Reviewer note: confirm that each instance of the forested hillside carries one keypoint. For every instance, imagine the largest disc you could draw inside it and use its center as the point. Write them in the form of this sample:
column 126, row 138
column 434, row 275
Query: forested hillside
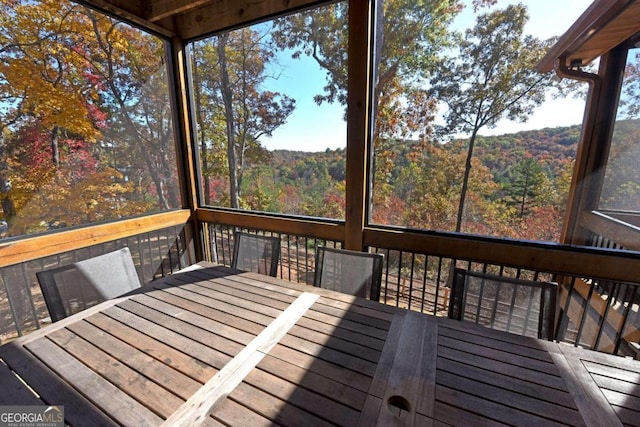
column 514, row 176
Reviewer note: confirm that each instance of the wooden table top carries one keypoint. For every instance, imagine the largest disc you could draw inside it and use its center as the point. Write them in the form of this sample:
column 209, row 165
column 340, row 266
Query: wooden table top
column 214, row 346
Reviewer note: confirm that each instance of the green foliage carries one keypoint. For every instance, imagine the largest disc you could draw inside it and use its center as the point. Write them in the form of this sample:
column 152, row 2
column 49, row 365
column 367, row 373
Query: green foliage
column 490, row 77
column 233, row 108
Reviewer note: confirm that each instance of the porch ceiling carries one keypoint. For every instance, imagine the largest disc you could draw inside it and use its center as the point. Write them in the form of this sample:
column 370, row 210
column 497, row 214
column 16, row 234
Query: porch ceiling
column 603, row 26
column 189, row 19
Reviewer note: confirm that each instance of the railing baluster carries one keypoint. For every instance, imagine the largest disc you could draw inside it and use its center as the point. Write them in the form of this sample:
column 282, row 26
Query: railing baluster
column 585, row 312
column 625, row 316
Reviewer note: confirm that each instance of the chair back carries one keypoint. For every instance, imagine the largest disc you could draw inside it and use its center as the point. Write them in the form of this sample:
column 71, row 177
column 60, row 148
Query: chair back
column 523, row 307
column 350, row 272
column 259, row 254
column 73, row 288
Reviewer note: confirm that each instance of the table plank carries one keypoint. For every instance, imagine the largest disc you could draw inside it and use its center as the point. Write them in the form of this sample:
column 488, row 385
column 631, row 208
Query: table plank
column 153, row 369
column 52, row 391
column 593, row 405
column 405, row 377
column 156, row 347
column 102, row 393
column 194, row 342
column 493, row 412
column 277, row 410
column 308, row 361
column 494, row 365
column 158, row 399
column 204, row 401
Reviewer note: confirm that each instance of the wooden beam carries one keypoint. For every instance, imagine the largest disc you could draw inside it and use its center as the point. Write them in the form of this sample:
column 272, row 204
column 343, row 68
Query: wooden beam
column 227, row 14
column 600, row 28
column 358, row 121
column 186, row 143
column 133, row 11
column 160, row 9
column 51, row 244
column 595, row 141
column 299, row 227
column 547, row 257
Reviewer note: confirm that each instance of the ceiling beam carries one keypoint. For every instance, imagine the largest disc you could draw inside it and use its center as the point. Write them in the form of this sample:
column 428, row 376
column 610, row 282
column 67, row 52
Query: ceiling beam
column 225, row 14
column 160, row 9
column 134, row 11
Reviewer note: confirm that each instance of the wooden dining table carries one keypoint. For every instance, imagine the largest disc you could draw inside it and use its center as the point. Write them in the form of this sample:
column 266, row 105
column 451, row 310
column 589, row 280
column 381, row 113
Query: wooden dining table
column 216, row 346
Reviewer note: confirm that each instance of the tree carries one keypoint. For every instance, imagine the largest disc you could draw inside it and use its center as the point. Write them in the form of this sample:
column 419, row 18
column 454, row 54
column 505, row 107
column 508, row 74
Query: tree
column 491, row 77
column 39, row 80
column 87, row 108
column 432, row 183
column 525, row 184
column 231, row 94
column 129, row 67
column 410, row 35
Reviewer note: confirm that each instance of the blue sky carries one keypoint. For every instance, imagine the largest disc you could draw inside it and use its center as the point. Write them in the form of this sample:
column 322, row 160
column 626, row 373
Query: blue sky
column 316, row 128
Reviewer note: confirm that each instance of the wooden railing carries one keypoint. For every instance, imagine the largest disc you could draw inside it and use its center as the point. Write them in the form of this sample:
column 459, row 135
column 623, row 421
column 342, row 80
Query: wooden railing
column 417, row 267
column 159, row 244
column 599, row 288
column 612, row 232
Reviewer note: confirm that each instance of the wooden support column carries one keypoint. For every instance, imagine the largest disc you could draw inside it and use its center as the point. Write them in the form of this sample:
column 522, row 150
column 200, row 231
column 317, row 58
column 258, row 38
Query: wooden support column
column 185, row 154
column 358, row 121
column 593, row 148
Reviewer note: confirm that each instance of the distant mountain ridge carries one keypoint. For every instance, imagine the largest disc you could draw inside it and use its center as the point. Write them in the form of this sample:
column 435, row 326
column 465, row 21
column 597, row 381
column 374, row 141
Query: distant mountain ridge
column 552, row 147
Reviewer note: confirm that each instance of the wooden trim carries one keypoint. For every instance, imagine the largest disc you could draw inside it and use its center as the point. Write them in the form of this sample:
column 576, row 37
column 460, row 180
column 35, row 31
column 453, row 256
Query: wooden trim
column 358, row 121
column 586, row 30
column 294, row 226
column 547, row 257
column 613, row 229
column 51, row 244
column 161, row 9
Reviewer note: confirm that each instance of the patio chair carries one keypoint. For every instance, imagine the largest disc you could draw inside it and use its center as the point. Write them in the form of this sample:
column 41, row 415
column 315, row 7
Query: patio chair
column 259, row 254
column 78, row 286
column 350, row 272
column 523, row 307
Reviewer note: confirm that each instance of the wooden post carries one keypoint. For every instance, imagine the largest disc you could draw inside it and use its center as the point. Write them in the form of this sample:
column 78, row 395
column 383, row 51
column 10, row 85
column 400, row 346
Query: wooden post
column 358, row 121
column 185, row 155
column 593, row 147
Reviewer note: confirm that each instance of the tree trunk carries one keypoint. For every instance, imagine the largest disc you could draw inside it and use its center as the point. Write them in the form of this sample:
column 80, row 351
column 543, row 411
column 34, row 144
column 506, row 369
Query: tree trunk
column 8, row 208
column 465, row 180
column 228, row 112
column 55, row 146
column 206, row 182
